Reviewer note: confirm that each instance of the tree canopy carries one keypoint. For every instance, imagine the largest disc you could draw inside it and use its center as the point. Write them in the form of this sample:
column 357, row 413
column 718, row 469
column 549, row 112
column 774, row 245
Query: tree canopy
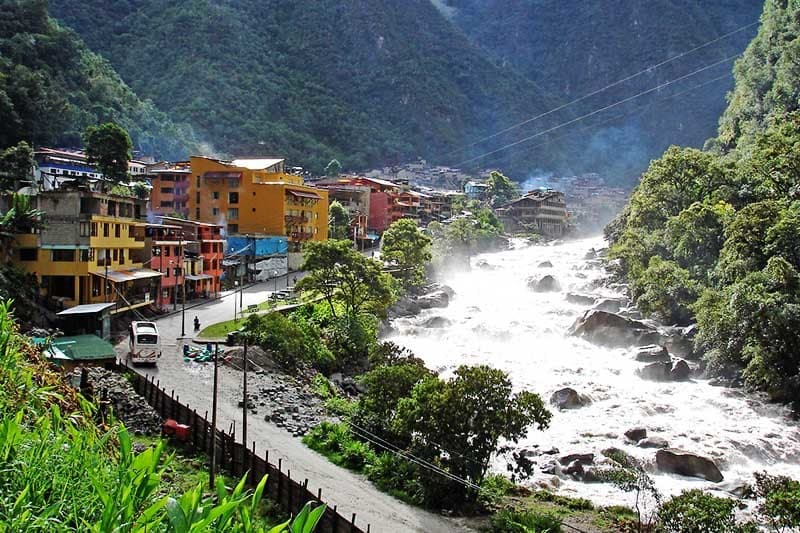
column 338, row 221
column 108, row 148
column 406, row 247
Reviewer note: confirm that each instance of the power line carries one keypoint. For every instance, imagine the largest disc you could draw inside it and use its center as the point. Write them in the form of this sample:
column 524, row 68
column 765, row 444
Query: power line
column 614, row 84
column 587, row 115
column 624, row 115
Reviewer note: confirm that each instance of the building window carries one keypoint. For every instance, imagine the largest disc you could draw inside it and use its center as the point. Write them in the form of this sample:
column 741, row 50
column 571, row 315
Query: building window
column 197, row 197
column 85, row 228
column 166, row 203
column 62, row 256
column 215, row 195
column 156, row 251
column 167, row 190
column 176, row 271
column 233, row 228
column 177, row 251
column 87, row 255
column 28, row 254
column 233, row 197
column 254, row 210
column 198, row 182
column 115, row 255
column 197, row 213
column 166, row 251
column 94, row 229
column 233, row 213
column 116, row 230
column 105, row 229
column 215, row 211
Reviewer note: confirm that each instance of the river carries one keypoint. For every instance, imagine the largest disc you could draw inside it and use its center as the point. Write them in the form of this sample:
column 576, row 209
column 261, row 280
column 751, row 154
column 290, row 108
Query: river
column 496, row 320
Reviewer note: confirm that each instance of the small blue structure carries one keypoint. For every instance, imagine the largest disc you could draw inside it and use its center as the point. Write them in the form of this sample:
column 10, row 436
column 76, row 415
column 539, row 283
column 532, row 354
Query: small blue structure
column 257, row 245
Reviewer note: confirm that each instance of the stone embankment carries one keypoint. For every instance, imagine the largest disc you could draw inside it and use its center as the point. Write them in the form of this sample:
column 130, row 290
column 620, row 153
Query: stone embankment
column 117, row 398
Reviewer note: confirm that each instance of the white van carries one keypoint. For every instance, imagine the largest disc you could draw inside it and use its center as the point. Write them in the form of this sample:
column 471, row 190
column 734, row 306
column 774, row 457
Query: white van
column 145, row 343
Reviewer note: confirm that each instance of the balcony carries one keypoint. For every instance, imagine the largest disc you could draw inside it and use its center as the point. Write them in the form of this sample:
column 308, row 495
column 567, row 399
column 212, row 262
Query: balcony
column 300, row 235
column 295, row 219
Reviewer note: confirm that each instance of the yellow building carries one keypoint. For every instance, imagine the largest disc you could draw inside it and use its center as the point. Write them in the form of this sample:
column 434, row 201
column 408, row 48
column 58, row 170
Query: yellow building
column 256, row 196
column 89, row 237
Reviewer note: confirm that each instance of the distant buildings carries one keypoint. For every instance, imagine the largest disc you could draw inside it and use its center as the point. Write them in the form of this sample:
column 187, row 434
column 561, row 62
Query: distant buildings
column 57, row 167
column 204, row 251
column 170, row 192
column 541, row 211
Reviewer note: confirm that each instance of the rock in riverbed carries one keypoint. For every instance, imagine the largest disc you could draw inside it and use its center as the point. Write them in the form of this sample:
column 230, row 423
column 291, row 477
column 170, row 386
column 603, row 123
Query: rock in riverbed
column 685, row 463
column 568, row 398
column 437, row 298
column 652, row 354
column 545, row 284
column 613, row 331
column 580, row 299
column 636, row 434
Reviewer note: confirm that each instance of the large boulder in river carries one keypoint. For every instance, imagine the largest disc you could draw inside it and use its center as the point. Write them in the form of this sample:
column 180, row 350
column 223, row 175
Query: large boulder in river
column 614, row 331
column 437, row 298
column 568, row 398
column 612, row 305
column 437, row 322
column 653, row 442
column 652, row 354
column 675, row 461
column 404, row 306
column 580, row 299
column 666, row 371
column 681, row 371
column 636, row 434
column 545, row 264
column 545, row 284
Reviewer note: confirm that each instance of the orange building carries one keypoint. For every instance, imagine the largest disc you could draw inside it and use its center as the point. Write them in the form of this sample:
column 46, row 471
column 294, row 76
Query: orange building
column 256, row 196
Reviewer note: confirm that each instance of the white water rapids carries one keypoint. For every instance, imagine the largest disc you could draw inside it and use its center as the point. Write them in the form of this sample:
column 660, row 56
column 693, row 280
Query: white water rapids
column 496, row 320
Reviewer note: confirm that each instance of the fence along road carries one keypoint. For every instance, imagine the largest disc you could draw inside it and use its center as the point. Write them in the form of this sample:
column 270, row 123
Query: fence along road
column 348, row 491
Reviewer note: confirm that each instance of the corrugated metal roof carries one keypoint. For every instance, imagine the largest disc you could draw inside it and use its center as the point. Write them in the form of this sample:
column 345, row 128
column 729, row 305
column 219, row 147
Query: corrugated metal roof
column 84, row 347
column 86, row 309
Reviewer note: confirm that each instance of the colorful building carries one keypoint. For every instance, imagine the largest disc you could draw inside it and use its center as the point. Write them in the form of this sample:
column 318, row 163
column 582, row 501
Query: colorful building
column 383, row 196
column 257, row 196
column 203, row 251
column 165, row 246
column 170, row 192
column 90, row 251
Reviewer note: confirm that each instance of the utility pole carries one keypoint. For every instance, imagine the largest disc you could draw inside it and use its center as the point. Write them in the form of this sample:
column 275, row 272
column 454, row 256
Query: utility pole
column 244, row 395
column 105, row 281
column 183, row 290
column 214, row 420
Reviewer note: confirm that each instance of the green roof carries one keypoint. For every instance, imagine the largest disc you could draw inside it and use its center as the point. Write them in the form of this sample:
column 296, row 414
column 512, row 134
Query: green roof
column 84, row 347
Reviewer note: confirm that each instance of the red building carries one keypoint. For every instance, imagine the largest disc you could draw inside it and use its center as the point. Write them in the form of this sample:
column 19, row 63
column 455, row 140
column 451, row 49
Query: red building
column 382, row 199
column 203, row 256
column 166, row 245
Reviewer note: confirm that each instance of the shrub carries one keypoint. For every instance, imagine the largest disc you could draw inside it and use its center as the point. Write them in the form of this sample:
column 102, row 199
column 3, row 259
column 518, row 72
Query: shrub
column 780, row 500
column 694, row 511
column 337, row 443
column 397, row 476
column 525, row 521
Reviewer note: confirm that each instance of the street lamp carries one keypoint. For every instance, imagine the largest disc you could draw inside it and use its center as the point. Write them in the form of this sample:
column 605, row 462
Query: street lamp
column 183, row 290
column 275, row 276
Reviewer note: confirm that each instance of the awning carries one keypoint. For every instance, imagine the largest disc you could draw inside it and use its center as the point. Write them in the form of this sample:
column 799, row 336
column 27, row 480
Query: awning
column 84, row 347
column 121, row 276
column 86, row 309
column 300, row 194
column 198, row 277
column 217, row 175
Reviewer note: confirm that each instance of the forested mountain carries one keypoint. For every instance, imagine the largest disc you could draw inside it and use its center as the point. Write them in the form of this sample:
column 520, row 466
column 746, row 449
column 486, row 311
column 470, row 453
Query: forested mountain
column 571, row 49
column 714, row 236
column 384, row 81
column 366, row 82
column 52, row 87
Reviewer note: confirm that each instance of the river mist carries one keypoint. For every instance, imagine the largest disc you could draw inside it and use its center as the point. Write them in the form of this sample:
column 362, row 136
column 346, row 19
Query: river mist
column 495, row 319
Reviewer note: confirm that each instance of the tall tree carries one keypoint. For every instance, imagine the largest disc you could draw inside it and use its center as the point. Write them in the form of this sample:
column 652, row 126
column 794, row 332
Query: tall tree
column 339, row 273
column 407, row 247
column 338, row 221
column 333, row 169
column 16, row 165
column 108, row 148
column 501, row 189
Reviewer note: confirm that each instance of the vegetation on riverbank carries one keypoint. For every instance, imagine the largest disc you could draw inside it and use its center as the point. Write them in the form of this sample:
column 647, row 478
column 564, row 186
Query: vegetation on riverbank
column 714, row 236
column 65, row 469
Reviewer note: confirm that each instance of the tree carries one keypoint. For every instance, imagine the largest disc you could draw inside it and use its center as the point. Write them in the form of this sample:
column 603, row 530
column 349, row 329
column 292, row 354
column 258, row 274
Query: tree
column 694, row 511
column 286, row 340
column 409, row 249
column 339, row 273
column 16, row 165
column 667, row 290
column 108, row 148
column 501, row 189
column 333, row 169
column 338, row 221
column 20, row 218
column 779, row 501
column 459, row 423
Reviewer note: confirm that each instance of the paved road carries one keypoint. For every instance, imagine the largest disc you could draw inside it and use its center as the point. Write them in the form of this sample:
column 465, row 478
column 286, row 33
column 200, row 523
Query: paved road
column 192, row 382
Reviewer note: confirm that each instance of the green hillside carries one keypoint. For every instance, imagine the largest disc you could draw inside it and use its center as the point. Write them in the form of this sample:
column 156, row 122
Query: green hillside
column 571, row 49
column 713, row 237
column 366, row 82
column 52, row 87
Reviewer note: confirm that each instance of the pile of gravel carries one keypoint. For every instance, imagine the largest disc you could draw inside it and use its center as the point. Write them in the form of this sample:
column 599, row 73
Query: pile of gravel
column 127, row 406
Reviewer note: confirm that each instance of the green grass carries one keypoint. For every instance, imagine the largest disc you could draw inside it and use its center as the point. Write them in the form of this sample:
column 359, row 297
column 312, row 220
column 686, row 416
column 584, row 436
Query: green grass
column 220, row 329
